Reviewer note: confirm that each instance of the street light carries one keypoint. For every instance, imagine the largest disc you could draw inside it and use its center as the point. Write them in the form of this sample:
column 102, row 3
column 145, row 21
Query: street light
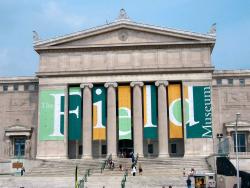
column 219, row 136
column 236, row 145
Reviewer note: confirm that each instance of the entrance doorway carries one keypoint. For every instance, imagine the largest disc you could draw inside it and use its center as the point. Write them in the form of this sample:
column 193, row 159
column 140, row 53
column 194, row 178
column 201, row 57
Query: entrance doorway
column 74, row 149
column 125, row 148
column 19, row 147
column 176, row 147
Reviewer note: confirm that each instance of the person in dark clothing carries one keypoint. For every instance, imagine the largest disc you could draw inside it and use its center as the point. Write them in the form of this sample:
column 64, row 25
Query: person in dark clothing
column 189, row 182
column 22, row 171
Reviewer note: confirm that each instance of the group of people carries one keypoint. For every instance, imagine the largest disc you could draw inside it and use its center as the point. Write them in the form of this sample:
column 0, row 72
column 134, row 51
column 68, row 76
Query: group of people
column 111, row 164
column 133, row 166
column 190, row 174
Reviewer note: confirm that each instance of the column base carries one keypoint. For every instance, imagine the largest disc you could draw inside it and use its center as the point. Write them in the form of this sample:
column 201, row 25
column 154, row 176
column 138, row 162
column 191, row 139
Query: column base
column 52, row 157
column 140, row 155
column 163, row 155
column 114, row 156
column 87, row 157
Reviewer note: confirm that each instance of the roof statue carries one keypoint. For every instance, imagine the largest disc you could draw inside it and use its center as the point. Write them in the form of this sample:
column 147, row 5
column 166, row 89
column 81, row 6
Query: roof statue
column 35, row 36
column 123, row 15
column 212, row 30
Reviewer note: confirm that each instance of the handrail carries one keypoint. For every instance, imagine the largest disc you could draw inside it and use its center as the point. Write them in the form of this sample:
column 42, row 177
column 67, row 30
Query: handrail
column 105, row 162
column 81, row 182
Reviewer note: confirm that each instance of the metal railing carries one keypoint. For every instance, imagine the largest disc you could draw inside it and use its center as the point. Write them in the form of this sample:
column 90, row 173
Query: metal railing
column 124, row 179
column 105, row 162
column 81, row 182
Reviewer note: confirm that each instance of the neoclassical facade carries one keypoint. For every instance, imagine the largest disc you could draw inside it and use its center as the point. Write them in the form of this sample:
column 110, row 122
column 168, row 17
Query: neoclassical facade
column 123, row 87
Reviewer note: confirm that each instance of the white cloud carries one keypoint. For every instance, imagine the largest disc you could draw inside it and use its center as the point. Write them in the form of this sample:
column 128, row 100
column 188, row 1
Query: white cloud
column 55, row 12
column 3, row 57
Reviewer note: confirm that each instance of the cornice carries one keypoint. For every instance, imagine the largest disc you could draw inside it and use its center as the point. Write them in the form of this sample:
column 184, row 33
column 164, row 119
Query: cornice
column 126, row 45
column 126, row 72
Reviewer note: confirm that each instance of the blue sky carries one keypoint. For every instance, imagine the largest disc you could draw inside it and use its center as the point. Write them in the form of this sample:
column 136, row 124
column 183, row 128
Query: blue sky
column 50, row 18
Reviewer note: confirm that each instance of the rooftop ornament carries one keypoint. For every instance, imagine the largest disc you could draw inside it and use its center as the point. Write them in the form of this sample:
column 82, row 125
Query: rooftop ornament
column 212, row 30
column 35, row 36
column 123, row 15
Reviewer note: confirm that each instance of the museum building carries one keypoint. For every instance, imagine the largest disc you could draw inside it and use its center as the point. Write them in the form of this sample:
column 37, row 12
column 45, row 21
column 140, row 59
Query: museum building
column 124, row 87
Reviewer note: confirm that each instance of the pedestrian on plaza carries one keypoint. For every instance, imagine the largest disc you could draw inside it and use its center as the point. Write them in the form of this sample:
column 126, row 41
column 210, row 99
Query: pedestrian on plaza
column 22, row 171
column 192, row 172
column 140, row 169
column 133, row 172
column 120, row 167
column 189, row 182
column 132, row 157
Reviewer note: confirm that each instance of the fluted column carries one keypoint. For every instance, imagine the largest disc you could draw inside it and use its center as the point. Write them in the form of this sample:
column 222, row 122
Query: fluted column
column 111, row 119
column 137, row 117
column 162, row 118
column 66, row 117
column 87, row 120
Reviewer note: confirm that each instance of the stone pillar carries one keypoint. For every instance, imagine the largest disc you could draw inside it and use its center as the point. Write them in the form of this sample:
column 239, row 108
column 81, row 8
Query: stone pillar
column 27, row 149
column 111, row 119
column 137, row 118
column 66, row 122
column 162, row 118
column 87, row 120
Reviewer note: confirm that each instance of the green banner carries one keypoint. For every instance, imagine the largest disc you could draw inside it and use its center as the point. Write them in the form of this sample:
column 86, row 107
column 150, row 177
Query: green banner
column 51, row 109
column 99, row 113
column 150, row 112
column 124, row 113
column 75, row 114
column 198, row 112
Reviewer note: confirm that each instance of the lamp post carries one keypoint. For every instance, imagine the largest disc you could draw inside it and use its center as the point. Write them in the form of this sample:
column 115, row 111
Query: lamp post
column 236, row 145
column 220, row 136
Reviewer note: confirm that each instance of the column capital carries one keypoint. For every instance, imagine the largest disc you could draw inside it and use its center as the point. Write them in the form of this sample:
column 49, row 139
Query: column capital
column 89, row 85
column 133, row 84
column 110, row 84
column 161, row 82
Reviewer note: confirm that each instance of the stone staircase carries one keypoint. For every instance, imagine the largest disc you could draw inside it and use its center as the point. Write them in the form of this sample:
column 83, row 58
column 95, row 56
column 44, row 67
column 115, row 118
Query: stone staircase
column 157, row 172
column 66, row 168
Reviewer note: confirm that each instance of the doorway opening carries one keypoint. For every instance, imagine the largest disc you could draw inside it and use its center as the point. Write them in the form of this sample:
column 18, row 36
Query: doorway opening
column 125, row 148
column 19, row 146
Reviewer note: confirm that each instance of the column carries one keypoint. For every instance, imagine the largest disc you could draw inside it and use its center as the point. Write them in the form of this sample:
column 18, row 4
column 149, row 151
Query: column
column 111, row 119
column 87, row 121
column 27, row 149
column 66, row 116
column 137, row 117
column 162, row 118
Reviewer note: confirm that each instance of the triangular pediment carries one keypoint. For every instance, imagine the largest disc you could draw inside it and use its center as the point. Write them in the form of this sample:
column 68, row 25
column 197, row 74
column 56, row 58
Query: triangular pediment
column 124, row 33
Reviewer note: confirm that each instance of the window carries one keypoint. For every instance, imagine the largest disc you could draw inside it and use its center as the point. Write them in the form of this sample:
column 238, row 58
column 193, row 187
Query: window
column 241, row 137
column 104, row 149
column 19, row 146
column 80, row 150
column 230, row 81
column 150, row 148
column 219, row 81
column 242, row 81
column 15, row 87
column 26, row 87
column 5, row 87
column 173, row 148
column 31, row 87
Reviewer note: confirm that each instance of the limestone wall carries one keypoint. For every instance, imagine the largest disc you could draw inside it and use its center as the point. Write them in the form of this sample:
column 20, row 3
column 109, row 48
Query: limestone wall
column 18, row 108
column 136, row 59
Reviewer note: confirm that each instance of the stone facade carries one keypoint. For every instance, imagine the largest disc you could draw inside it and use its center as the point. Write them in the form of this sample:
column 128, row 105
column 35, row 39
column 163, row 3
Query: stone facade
column 120, row 53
